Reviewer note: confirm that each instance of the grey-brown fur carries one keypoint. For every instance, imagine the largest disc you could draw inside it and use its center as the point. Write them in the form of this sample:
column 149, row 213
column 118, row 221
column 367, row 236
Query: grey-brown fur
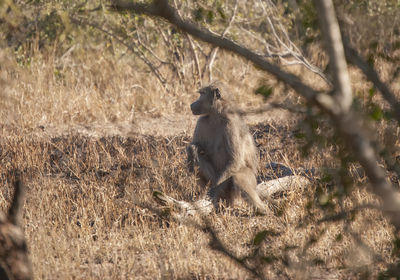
column 223, row 149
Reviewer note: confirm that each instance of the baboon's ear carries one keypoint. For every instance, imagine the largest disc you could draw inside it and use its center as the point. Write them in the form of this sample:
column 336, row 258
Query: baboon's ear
column 217, row 93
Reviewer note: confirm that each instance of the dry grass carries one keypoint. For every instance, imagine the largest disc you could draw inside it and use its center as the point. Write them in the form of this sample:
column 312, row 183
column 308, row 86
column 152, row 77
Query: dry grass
column 89, row 212
column 98, row 88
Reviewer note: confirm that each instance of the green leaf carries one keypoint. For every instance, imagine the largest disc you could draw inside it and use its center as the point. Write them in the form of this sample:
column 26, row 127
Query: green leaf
column 299, row 135
column 387, row 115
column 376, row 113
column 396, row 244
column 371, row 60
column 199, row 14
column 373, row 45
column 327, row 178
column 260, row 237
column 221, row 13
column 210, row 16
column 318, row 261
column 396, row 45
column 372, row 91
column 265, row 91
column 269, row 259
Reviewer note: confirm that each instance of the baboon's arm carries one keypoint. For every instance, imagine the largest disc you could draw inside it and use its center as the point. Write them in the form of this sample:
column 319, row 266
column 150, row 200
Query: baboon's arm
column 207, row 169
column 197, row 157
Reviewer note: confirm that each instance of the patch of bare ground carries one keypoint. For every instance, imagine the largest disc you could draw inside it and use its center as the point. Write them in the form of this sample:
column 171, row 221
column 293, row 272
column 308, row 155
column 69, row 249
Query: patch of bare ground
column 89, row 212
column 165, row 126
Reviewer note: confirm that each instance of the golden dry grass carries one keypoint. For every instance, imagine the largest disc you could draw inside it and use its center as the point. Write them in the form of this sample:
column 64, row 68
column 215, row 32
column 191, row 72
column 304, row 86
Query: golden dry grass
column 89, row 210
column 88, row 214
column 97, row 88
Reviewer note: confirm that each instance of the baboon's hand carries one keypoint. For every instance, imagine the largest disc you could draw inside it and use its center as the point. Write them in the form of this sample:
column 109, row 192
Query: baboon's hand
column 193, row 152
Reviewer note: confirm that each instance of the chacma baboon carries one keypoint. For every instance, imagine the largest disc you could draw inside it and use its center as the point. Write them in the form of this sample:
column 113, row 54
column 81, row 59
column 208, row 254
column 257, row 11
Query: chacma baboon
column 14, row 261
column 223, row 150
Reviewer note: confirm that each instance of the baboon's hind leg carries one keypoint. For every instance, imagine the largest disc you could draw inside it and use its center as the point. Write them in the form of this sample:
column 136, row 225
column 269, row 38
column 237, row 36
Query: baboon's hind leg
column 246, row 181
column 223, row 192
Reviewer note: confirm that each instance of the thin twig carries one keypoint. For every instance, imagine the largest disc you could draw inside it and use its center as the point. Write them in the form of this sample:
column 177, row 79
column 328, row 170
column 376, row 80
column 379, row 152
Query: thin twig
column 153, row 69
column 147, row 48
column 212, row 55
column 292, row 48
column 193, row 49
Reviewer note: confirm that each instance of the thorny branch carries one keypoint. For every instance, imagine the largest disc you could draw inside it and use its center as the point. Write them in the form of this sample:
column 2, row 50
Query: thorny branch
column 347, row 124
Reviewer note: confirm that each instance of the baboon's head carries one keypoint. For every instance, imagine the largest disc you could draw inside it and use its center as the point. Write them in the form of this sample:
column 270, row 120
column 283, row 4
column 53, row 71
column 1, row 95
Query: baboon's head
column 207, row 102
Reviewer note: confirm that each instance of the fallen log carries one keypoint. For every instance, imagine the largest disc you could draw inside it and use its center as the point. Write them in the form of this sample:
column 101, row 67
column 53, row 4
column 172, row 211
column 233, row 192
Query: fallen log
column 182, row 209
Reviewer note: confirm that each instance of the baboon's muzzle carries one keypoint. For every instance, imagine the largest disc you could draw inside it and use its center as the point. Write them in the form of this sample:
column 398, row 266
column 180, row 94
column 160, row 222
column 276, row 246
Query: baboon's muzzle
column 195, row 107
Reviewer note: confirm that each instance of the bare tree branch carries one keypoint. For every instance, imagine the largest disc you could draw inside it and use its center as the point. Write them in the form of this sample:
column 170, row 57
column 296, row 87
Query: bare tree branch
column 347, row 123
column 161, row 8
column 334, row 46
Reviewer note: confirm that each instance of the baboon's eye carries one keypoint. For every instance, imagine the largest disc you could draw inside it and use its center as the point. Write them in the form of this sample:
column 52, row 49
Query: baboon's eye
column 217, row 93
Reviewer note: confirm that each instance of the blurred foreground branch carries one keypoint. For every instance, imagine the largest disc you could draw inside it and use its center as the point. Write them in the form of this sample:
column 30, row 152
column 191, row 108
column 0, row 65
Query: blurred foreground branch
column 333, row 44
column 370, row 73
column 14, row 260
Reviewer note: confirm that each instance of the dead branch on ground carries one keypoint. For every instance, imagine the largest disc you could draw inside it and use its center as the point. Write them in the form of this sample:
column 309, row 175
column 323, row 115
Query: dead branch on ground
column 183, row 210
